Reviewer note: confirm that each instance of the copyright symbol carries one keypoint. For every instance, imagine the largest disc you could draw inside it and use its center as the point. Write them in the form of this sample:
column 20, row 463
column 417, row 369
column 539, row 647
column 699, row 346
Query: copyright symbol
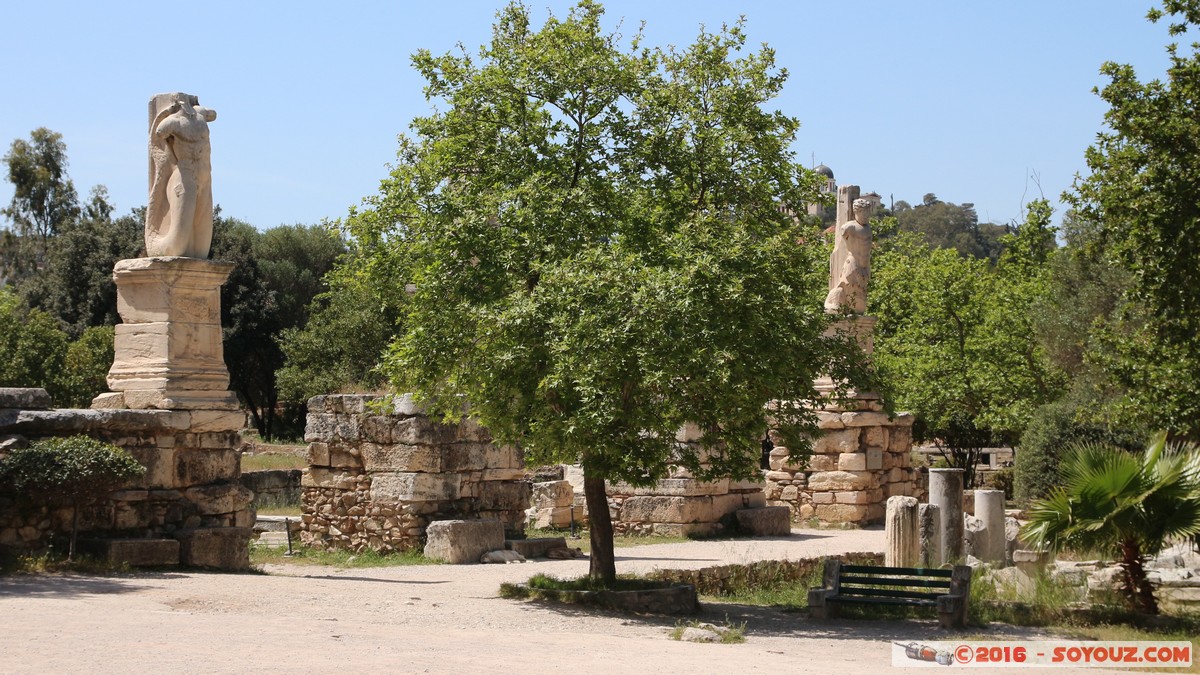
column 963, row 654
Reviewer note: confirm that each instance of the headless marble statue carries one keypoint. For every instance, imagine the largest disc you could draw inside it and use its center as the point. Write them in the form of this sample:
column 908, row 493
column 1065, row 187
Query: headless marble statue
column 180, row 209
column 850, row 262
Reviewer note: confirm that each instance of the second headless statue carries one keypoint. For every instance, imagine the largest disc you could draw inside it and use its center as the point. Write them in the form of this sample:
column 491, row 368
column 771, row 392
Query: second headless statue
column 179, row 212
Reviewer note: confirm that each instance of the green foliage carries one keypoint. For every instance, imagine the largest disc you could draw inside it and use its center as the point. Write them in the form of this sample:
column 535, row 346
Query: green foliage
column 1127, row 505
column 77, row 470
column 44, row 201
column 951, row 226
column 34, row 348
column 1143, row 190
column 85, row 368
column 1052, row 430
column 954, row 341
column 76, row 285
column 593, row 232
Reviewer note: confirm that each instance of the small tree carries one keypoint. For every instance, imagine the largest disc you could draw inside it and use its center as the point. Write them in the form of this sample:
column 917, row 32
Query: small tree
column 1119, row 503
column 78, row 470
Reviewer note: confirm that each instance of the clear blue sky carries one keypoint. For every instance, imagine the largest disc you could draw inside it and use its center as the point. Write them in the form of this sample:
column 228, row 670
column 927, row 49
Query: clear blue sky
column 963, row 99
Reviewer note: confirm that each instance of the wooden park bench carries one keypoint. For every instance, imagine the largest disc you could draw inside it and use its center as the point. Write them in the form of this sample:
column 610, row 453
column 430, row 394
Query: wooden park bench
column 947, row 590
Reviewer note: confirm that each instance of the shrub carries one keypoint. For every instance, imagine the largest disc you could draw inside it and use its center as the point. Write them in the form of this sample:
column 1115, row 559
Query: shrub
column 77, row 470
column 1053, row 428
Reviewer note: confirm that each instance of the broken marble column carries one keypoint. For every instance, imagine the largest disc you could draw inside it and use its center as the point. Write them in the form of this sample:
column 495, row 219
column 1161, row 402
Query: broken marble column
column 902, row 529
column 946, row 491
column 930, row 519
column 990, row 544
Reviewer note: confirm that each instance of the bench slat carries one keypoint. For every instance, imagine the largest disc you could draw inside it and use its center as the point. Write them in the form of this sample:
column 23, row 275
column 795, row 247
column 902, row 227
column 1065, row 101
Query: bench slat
column 886, row 593
column 898, row 571
column 882, row 601
column 891, row 581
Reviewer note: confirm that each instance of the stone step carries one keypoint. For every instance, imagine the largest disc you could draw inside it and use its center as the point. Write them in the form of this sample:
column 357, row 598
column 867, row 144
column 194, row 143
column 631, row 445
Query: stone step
column 133, row 552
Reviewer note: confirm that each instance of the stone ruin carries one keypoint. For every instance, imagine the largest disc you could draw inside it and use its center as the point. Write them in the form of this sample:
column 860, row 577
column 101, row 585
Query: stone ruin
column 170, row 406
column 381, row 470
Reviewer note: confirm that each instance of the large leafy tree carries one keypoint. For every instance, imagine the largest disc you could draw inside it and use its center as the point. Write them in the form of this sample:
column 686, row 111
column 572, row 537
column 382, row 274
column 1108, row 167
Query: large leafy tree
column 1123, row 504
column 954, row 342
column 44, row 200
column 1144, row 193
column 597, row 254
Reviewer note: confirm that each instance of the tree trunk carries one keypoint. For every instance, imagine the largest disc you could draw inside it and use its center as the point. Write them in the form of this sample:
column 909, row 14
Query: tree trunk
column 74, row 531
column 603, row 563
column 1138, row 590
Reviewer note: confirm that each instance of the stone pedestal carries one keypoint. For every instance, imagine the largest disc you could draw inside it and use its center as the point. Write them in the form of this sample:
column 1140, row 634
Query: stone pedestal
column 989, row 507
column 902, row 529
column 862, row 328
column 946, row 491
column 168, row 348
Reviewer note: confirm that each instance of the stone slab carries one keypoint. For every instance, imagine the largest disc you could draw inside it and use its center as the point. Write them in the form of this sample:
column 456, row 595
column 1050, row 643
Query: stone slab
column 25, row 397
column 134, row 552
column 766, row 521
column 223, row 548
column 461, row 542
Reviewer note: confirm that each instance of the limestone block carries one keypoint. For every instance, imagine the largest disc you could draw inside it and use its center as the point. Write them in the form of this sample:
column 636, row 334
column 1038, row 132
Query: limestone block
column 874, row 459
column 818, row 463
column 557, row 516
column 504, row 495
column 421, row 430
column 343, row 456
column 135, row 552
column 108, row 400
column 767, row 521
column 197, row 467
column 218, row 420
column 153, row 393
column 667, row 510
column 405, row 406
column 471, row 430
column 355, row 404
column 779, row 475
column 836, row 442
column 414, row 487
column 723, row 505
column 841, row 513
column 683, row 529
column 875, row 438
column 822, row 497
column 176, row 289
column 410, row 458
column 463, row 456
column 377, row 429
column 790, row 493
column 160, row 467
column 841, row 480
column 461, row 542
column 753, row 500
column 223, row 548
column 347, row 428
column 865, row 419
column 829, row 420
column 852, row 461
column 317, row 477
column 318, row 454
column 502, row 474
column 901, row 439
column 502, row 457
column 553, row 493
column 851, row 497
column 677, row 487
column 168, row 355
column 25, row 398
column 318, row 427
column 219, row 498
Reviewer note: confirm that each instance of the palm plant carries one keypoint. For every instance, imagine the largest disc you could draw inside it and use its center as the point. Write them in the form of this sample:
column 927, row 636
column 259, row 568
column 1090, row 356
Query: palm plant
column 1119, row 503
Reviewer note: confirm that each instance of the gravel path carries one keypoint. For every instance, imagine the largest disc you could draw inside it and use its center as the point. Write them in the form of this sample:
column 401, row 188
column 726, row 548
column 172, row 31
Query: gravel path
column 435, row 619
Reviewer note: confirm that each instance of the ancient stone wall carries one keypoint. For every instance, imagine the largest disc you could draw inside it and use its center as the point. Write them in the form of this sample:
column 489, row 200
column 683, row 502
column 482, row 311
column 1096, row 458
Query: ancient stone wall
column 380, row 471
column 188, row 508
column 681, row 506
column 861, row 459
column 273, row 487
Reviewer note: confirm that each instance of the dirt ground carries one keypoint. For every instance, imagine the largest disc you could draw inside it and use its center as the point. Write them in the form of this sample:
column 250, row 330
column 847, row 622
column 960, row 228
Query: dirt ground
column 429, row 619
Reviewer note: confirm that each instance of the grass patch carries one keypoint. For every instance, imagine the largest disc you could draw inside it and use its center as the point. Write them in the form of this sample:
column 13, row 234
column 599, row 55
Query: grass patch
column 1183, row 627
column 730, row 634
column 270, row 509
column 272, row 461
column 302, row 556
column 543, row 586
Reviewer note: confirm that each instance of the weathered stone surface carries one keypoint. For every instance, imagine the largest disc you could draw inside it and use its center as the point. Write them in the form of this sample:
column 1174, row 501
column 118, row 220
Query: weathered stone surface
column 989, row 508
column 217, row 420
column 504, row 495
column 841, row 513
column 463, row 541
column 946, row 491
column 412, row 458
column 874, row 459
column 829, row 420
column 325, row 478
column 424, row 431
column 865, row 419
column 67, row 422
column 841, row 480
column 836, row 442
column 197, row 467
column 25, row 397
column 930, row 517
column 549, row 494
column 662, row 509
column 902, row 529
column 223, row 548
column 767, row 521
column 220, row 498
column 415, row 487
column 852, row 461
column 134, row 552
column 674, row 487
